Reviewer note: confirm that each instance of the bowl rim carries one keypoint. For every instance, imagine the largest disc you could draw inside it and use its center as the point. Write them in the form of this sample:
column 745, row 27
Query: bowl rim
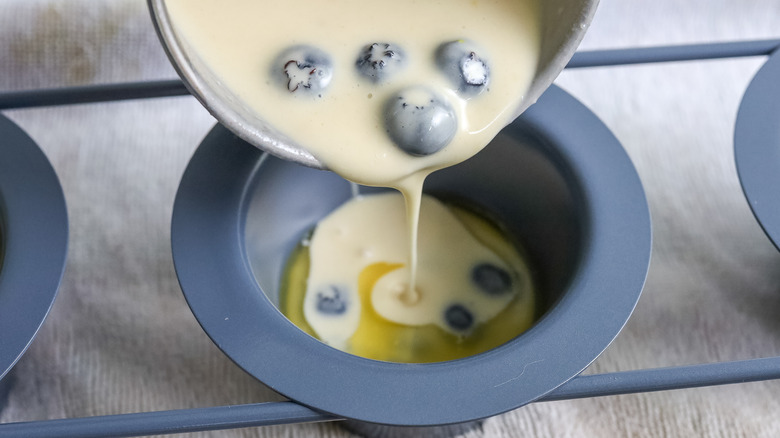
column 34, row 228
column 757, row 146
column 219, row 286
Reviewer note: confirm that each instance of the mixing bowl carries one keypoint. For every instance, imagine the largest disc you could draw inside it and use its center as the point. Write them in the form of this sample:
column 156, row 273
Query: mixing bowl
column 563, row 25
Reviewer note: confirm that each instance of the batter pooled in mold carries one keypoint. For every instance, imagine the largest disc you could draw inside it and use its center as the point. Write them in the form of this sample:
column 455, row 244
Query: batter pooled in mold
column 347, row 283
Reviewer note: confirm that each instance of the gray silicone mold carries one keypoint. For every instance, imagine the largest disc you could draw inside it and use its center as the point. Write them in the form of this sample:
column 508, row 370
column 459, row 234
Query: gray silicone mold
column 757, row 146
column 33, row 241
column 556, row 177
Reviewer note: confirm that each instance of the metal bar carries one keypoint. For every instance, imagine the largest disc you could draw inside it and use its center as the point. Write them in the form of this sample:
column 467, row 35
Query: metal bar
column 167, row 422
column 593, row 58
column 92, row 94
column 687, row 52
column 265, row 414
column 662, row 379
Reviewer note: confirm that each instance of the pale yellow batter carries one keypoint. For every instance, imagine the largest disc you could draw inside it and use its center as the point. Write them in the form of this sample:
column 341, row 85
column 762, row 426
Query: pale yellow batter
column 343, row 285
column 240, row 41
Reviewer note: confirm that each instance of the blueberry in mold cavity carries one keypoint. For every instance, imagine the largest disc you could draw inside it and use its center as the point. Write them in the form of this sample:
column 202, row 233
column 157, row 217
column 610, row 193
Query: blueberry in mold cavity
column 461, row 61
column 331, row 300
column 458, row 317
column 491, row 278
column 304, row 69
column 419, row 121
column 379, row 61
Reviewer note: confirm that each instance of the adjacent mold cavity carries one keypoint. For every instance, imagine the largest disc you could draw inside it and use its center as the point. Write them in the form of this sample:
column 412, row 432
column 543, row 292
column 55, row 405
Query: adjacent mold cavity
column 757, row 146
column 33, row 246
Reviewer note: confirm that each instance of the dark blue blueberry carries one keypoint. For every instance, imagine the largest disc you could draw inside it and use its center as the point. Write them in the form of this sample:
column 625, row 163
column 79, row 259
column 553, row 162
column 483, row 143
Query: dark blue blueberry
column 304, row 69
column 458, row 317
column 331, row 300
column 379, row 61
column 491, row 278
column 419, row 121
column 460, row 60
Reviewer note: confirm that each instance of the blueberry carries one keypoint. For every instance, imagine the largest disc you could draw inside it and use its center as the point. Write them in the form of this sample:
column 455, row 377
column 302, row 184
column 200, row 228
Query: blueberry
column 378, row 61
column 304, row 69
column 419, row 121
column 460, row 60
column 331, row 300
column 491, row 278
column 458, row 317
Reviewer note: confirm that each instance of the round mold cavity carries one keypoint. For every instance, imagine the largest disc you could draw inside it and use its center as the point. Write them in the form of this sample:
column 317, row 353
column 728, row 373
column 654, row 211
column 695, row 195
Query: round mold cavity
column 556, row 177
column 33, row 241
column 757, row 146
